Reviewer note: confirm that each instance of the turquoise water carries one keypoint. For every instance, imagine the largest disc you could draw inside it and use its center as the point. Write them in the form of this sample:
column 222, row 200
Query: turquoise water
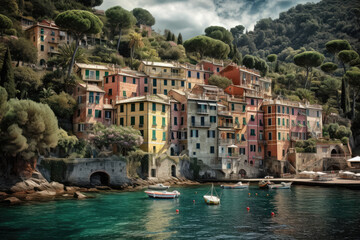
column 300, row 213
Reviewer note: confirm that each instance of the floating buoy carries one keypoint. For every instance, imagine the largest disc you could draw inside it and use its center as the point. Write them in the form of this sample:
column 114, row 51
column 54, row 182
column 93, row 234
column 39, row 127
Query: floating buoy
column 193, row 201
column 249, row 194
column 177, row 210
column 272, row 214
column 256, row 194
column 248, row 209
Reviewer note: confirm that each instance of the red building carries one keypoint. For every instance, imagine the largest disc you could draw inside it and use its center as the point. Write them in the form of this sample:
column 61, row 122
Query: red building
column 120, row 86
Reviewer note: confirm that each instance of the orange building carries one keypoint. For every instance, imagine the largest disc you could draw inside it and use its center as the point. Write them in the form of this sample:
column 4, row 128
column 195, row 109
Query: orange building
column 120, row 86
column 211, row 67
column 241, row 75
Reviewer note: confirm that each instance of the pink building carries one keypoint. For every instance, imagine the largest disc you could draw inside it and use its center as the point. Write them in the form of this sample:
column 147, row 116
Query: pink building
column 143, row 84
column 298, row 127
column 90, row 99
column 120, row 86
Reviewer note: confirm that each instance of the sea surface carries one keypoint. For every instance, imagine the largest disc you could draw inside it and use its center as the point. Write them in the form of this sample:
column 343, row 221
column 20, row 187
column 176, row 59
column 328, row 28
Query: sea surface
column 302, row 212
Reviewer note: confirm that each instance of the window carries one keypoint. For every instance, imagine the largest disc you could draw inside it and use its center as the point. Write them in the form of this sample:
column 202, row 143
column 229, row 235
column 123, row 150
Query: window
column 163, row 108
column 287, row 136
column 202, row 121
column 121, row 121
column 244, row 121
column 132, row 121
column 78, row 112
column 145, row 89
column 278, row 109
column 133, row 107
column 279, row 135
column 287, row 122
column 218, row 69
column 113, row 78
column 172, row 82
column 98, row 113
column 211, row 134
column 97, row 98
column 232, row 107
column 189, row 85
column 154, row 121
column 89, row 111
column 317, row 124
column 121, row 108
column 198, row 146
column 243, row 137
column 252, row 101
column 292, row 111
column 175, row 121
column 270, row 136
column 154, row 106
column 153, row 134
column 165, row 91
column 287, row 110
column 42, row 38
column 269, row 109
column 283, row 109
column 106, row 80
column 81, row 127
column 164, row 136
column 154, row 82
column 292, row 123
column 79, row 99
column 182, row 107
column 181, row 121
column 279, row 121
column 154, row 91
column 198, row 75
column 165, row 82
column 42, row 48
column 134, row 80
column 317, row 114
column 244, row 108
column 175, row 107
column 212, row 107
column 269, row 121
column 304, row 124
column 141, row 107
column 145, row 81
column 237, row 120
column 252, row 132
column 110, row 91
column 142, row 132
column 242, row 151
column 91, row 97
column 212, row 149
column 252, row 118
column 124, row 79
column 106, row 73
column 41, row 31
column 182, row 83
column 213, row 119
column 141, row 120
column 189, row 73
column 283, row 121
column 259, row 148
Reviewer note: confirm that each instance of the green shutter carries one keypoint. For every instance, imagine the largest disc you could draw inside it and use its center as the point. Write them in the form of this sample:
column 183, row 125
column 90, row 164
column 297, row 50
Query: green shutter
column 97, row 75
column 164, row 136
column 163, row 122
column 87, row 74
column 106, row 73
column 154, row 134
column 154, row 120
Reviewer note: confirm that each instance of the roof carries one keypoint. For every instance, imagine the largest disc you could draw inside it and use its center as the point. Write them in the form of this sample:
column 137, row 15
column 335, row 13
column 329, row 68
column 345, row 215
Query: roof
column 123, row 74
column 214, row 63
column 159, row 98
column 133, row 72
column 178, row 91
column 91, row 66
column 91, row 88
column 158, row 64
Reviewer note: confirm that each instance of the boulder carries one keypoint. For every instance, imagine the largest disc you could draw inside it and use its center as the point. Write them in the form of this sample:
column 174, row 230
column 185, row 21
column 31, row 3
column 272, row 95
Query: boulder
column 3, row 194
column 71, row 189
column 12, row 200
column 57, row 187
column 103, row 188
column 41, row 195
column 20, row 187
column 79, row 195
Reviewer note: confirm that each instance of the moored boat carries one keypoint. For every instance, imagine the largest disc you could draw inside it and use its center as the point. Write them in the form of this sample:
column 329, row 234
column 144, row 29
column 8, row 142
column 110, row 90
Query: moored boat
column 159, row 186
column 163, row 194
column 282, row 185
column 212, row 199
column 264, row 184
column 238, row 185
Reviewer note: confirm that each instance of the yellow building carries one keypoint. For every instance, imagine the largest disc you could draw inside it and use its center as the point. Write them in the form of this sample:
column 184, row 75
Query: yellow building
column 92, row 73
column 150, row 114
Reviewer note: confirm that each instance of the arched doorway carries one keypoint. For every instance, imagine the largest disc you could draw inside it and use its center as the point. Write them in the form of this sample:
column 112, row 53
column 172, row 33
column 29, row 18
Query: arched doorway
column 173, row 171
column 42, row 62
column 172, row 151
column 333, row 152
column 99, row 179
column 333, row 168
column 285, row 170
column 242, row 173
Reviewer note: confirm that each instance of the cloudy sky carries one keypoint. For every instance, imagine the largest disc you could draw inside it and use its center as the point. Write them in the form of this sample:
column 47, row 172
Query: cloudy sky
column 191, row 17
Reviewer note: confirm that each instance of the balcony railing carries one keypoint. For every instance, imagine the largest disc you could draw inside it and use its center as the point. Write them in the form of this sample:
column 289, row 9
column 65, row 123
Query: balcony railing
column 202, row 111
column 229, row 155
column 226, row 141
column 227, row 124
column 166, row 74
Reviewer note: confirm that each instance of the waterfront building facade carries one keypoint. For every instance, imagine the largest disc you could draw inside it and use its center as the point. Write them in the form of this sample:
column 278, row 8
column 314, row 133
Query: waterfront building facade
column 121, row 86
column 92, row 73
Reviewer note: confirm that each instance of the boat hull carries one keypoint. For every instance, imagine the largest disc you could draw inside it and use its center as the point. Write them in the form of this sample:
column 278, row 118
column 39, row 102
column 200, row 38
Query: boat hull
column 163, row 195
column 234, row 186
column 158, row 187
column 280, row 186
column 211, row 200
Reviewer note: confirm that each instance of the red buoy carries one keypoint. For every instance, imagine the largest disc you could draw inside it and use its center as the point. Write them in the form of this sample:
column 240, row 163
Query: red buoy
column 177, row 210
column 193, row 201
column 248, row 209
column 256, row 194
column 272, row 214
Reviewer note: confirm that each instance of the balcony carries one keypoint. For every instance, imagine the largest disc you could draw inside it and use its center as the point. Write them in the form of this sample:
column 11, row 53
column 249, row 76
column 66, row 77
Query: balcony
column 200, row 125
column 226, row 125
column 229, row 155
column 92, row 78
column 202, row 111
column 53, row 51
column 226, row 141
column 166, row 74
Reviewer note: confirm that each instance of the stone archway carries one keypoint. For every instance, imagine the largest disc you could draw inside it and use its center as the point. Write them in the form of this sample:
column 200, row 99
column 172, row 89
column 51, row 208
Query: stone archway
column 173, row 170
column 242, row 173
column 99, row 179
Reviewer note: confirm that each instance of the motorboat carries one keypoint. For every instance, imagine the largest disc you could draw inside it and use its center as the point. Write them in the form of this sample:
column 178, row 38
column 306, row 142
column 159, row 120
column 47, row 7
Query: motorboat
column 212, row 199
column 238, row 185
column 282, row 185
column 264, row 183
column 163, row 194
column 159, row 186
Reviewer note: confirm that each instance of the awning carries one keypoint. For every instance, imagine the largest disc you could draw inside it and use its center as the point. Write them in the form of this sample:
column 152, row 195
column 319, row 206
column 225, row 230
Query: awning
column 212, row 104
column 354, row 159
column 201, row 103
column 227, row 129
column 233, row 146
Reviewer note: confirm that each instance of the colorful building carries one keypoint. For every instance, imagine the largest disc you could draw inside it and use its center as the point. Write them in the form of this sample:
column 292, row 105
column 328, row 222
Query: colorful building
column 143, row 80
column 46, row 38
column 121, row 86
column 211, row 67
column 149, row 114
column 92, row 73
column 90, row 109
column 314, row 120
column 195, row 75
column 241, row 75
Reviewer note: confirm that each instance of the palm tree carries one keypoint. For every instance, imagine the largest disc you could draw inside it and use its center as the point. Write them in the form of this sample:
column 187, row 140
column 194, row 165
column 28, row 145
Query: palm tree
column 66, row 52
column 135, row 42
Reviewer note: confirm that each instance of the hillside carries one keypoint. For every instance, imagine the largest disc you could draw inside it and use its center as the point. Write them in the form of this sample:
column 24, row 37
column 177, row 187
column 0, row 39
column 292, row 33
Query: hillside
column 306, row 25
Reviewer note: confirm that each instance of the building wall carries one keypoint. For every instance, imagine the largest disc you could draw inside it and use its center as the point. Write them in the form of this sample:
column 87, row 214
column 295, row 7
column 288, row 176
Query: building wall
column 314, row 119
column 194, row 77
column 120, row 89
column 93, row 78
column 298, row 131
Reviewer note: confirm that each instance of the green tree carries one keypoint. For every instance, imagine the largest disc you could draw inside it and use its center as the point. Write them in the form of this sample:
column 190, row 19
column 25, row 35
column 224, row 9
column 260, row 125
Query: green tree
column 91, row 3
column 342, row 131
column 328, row 67
column 305, row 94
column 335, row 46
column 237, row 31
column 308, row 60
column 9, row 8
column 62, row 104
column 27, row 82
column 23, row 50
column 7, row 75
column 237, row 58
column 219, row 81
column 27, row 130
column 78, row 22
column 353, row 78
column 219, row 33
column 199, row 44
column 179, row 39
column 3, row 102
column 143, row 16
column 5, row 24
column 65, row 55
column 119, row 19
column 135, row 43
column 272, row 58
column 347, row 56
column 249, row 61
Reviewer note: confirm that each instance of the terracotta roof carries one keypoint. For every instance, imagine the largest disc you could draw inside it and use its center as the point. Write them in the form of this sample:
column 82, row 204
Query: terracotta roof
column 158, row 64
column 91, row 88
column 148, row 98
column 91, row 66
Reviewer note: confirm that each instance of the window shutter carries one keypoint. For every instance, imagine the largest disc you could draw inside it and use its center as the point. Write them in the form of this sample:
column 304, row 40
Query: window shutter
column 97, row 75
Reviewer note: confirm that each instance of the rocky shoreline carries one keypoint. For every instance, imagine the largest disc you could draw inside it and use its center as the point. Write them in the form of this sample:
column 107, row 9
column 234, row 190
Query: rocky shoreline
column 38, row 189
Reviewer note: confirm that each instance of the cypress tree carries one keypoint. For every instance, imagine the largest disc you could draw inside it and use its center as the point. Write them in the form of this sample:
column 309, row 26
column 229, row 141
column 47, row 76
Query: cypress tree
column 173, row 37
column 180, row 40
column 168, row 37
column 7, row 76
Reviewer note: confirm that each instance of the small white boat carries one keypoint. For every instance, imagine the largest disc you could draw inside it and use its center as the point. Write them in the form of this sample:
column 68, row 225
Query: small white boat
column 282, row 185
column 238, row 185
column 163, row 194
column 211, row 199
column 159, row 186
